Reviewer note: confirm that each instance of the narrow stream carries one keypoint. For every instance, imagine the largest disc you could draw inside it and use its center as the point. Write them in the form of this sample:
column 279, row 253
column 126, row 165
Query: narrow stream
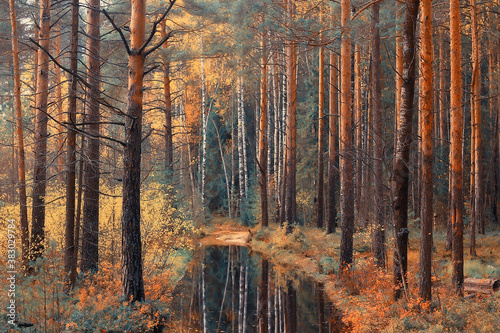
column 223, row 291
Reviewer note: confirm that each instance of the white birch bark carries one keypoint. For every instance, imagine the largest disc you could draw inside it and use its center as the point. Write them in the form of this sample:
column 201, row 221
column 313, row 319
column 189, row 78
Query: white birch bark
column 204, row 118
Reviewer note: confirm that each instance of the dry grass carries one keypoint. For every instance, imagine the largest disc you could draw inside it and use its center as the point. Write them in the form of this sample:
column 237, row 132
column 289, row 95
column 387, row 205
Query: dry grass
column 365, row 294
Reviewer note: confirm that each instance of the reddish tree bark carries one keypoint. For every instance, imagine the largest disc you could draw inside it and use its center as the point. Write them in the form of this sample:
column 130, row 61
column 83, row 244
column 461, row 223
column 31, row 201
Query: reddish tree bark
column 332, row 144
column 21, row 173
column 69, row 238
column 169, row 150
column 456, row 132
column 346, row 145
column 426, row 124
column 321, row 134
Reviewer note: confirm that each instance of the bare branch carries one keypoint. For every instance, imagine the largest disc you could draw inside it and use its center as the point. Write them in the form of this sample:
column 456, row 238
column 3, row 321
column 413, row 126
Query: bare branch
column 120, row 32
column 155, row 25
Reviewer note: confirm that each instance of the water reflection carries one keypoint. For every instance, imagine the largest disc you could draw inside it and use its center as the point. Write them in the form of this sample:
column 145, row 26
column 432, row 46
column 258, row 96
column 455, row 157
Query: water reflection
column 229, row 289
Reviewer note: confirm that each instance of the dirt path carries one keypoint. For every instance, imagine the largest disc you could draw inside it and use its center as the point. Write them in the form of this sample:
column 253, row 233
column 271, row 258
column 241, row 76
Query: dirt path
column 228, row 236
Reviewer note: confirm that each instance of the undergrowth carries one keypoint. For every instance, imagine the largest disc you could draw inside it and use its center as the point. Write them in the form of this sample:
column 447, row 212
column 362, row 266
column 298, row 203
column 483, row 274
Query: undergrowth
column 364, row 295
column 96, row 303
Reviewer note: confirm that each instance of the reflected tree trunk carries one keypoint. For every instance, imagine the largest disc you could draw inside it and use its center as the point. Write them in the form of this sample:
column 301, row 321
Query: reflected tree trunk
column 263, row 316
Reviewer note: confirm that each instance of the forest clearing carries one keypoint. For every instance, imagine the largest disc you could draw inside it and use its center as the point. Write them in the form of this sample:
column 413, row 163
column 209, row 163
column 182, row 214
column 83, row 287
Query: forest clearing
column 275, row 166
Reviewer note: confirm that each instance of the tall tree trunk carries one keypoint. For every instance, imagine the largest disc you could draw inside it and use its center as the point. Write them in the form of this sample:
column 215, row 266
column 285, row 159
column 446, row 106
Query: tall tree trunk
column 263, row 162
column 35, row 56
column 69, row 254
column 169, row 150
column 21, row 173
column 321, row 139
column 59, row 103
column 40, row 159
column 204, row 125
column 427, row 145
column 477, row 220
column 401, row 162
column 378, row 151
column 291, row 137
column 456, row 132
column 491, row 109
column 241, row 141
column 346, row 147
column 332, row 143
column 90, row 236
column 132, row 280
column 357, row 135
column 399, row 74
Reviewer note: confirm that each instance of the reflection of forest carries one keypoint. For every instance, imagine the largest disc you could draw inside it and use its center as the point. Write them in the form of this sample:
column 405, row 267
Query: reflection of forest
column 223, row 291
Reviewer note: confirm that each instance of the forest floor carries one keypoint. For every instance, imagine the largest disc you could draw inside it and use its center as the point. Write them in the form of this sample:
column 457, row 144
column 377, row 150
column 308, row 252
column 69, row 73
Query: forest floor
column 365, row 294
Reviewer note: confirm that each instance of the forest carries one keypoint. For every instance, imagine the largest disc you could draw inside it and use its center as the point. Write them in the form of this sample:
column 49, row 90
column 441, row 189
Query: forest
column 279, row 166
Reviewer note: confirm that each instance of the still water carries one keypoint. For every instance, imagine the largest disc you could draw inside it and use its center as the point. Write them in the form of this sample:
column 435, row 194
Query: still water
column 225, row 289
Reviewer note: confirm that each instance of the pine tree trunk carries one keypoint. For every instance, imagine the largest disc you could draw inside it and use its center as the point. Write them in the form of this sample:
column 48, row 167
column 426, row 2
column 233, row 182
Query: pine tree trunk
column 59, row 103
column 427, row 123
column 132, row 280
column 402, row 154
column 321, row 135
column 263, row 153
column 69, row 255
column 21, row 173
column 456, row 133
column 90, row 236
column 358, row 201
column 332, row 144
column 40, row 136
column 492, row 91
column 346, row 146
column 378, row 151
column 291, row 137
column 169, row 150
column 478, row 220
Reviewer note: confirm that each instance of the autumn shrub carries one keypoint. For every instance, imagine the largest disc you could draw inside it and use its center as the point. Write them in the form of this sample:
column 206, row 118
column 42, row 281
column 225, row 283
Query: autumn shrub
column 95, row 304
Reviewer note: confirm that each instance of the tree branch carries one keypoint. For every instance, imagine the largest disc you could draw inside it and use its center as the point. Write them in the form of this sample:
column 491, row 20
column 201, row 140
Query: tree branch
column 364, row 8
column 117, row 29
column 154, row 48
column 155, row 25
